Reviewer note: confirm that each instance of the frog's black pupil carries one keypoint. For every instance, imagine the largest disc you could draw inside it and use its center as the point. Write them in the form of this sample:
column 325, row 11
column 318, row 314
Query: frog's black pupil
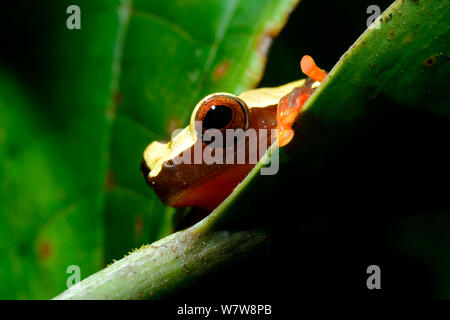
column 217, row 117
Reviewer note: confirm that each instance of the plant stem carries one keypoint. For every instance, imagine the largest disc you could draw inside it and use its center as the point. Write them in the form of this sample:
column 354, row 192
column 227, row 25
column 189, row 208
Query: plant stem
column 158, row 270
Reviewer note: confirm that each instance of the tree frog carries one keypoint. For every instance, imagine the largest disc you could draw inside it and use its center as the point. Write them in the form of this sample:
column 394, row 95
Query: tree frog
column 181, row 178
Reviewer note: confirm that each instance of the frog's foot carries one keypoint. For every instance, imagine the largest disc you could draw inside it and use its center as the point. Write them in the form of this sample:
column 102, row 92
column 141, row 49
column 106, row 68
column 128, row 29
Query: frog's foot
column 288, row 109
column 309, row 68
column 291, row 104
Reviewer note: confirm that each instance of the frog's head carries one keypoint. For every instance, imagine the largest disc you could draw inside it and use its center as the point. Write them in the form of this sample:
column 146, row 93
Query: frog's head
column 226, row 136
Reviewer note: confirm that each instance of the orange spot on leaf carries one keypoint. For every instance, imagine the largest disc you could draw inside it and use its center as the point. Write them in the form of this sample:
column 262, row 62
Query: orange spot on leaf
column 118, row 98
column 138, row 226
column 110, row 181
column 44, row 250
column 221, row 69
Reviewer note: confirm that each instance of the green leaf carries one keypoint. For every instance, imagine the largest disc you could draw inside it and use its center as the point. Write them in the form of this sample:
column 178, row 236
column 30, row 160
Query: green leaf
column 383, row 111
column 71, row 191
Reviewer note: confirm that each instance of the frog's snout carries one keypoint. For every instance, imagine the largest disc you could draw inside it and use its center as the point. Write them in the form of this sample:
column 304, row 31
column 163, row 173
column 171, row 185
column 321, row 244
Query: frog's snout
column 152, row 155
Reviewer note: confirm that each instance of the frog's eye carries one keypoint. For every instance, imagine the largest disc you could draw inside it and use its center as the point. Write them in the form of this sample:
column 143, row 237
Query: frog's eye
column 223, row 112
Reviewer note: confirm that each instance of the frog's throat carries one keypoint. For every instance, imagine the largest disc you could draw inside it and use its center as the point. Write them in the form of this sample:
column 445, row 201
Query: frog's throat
column 156, row 154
